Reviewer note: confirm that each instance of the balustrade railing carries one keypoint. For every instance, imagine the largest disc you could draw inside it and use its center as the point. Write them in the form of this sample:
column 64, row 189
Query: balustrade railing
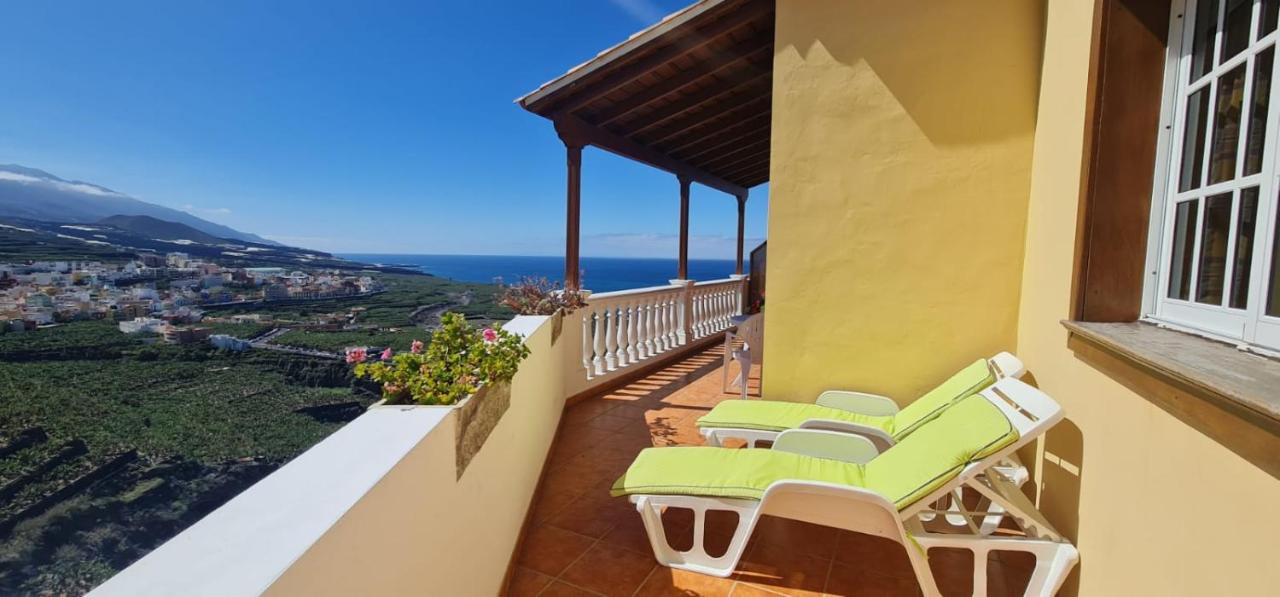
column 624, row 328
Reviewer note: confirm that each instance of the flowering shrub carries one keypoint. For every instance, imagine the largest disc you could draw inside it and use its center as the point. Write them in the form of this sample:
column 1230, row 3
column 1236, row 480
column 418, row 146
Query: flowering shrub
column 537, row 296
column 459, row 359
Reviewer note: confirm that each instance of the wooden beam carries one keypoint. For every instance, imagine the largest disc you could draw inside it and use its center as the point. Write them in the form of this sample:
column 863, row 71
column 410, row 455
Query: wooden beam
column 585, row 93
column 694, row 100
column 578, row 129
column 683, row 267
column 736, row 156
column 721, row 60
column 741, row 172
column 742, row 219
column 697, row 145
column 723, row 111
column 572, row 272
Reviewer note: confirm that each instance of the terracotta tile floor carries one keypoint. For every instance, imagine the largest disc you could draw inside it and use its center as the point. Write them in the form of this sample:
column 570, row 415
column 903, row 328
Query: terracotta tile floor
column 583, row 542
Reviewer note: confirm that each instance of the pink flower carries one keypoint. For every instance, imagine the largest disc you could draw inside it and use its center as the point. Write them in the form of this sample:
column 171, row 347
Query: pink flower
column 416, row 347
column 356, row 355
column 490, row 335
column 386, row 354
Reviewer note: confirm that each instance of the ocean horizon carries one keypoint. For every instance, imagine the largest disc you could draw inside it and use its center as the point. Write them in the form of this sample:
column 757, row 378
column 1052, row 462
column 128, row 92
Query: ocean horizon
column 599, row 274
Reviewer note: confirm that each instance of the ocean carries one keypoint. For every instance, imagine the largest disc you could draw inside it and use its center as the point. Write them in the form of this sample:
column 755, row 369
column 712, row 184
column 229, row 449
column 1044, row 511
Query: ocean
column 599, row 274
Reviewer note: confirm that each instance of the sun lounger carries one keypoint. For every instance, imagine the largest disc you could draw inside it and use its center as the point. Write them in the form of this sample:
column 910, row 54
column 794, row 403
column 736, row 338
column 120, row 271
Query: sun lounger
column 876, row 417
column 841, row 480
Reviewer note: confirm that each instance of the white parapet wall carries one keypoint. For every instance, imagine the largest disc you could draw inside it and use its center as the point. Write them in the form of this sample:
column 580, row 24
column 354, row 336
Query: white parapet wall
column 377, row 507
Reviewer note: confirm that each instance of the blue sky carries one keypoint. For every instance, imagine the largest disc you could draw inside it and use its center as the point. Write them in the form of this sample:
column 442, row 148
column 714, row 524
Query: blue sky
column 372, row 126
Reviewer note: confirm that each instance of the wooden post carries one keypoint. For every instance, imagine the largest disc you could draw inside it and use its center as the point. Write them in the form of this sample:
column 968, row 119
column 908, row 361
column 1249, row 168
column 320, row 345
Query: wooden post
column 742, row 218
column 572, row 272
column 683, row 269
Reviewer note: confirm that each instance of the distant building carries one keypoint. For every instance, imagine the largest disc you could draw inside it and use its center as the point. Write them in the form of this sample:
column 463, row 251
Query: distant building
column 275, row 292
column 262, row 274
column 38, row 300
column 176, row 335
column 148, row 325
column 231, row 343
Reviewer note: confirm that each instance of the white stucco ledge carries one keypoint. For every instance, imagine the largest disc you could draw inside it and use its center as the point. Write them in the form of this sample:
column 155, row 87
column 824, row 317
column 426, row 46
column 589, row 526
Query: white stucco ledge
column 524, row 325
column 244, row 546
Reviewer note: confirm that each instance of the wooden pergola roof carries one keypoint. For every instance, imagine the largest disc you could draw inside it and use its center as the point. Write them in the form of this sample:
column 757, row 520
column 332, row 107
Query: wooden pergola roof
column 691, row 95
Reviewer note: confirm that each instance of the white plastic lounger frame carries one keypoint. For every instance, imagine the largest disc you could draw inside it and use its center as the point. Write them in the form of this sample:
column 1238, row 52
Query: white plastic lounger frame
column 1004, row 365
column 864, row 511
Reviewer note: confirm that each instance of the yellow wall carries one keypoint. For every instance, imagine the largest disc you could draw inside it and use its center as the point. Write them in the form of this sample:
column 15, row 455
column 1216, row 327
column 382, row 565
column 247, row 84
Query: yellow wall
column 902, row 137
column 1163, row 493
column 422, row 531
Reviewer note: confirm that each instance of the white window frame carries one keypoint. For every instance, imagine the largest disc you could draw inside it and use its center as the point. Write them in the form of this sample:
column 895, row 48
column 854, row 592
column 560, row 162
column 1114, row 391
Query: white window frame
column 1251, row 325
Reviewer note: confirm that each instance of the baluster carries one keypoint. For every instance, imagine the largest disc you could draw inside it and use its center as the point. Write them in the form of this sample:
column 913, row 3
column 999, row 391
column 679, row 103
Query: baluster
column 668, row 322
column 586, row 345
column 650, row 328
column 610, row 337
column 597, row 335
column 642, row 351
column 699, row 313
column 662, row 341
column 628, row 333
column 722, row 312
column 711, row 311
column 713, row 315
column 626, row 351
column 675, row 335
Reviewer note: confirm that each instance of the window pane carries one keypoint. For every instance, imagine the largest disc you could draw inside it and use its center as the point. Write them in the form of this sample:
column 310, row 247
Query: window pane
column 1246, row 223
column 1235, row 30
column 1184, row 237
column 1258, row 110
column 1226, row 125
column 1213, row 249
column 1202, row 45
column 1193, row 140
column 1269, row 16
column 1273, row 294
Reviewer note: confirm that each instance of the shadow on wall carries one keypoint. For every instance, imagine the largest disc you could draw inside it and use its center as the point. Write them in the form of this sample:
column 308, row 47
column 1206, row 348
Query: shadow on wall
column 1061, row 471
column 1256, row 443
column 1056, row 463
column 973, row 91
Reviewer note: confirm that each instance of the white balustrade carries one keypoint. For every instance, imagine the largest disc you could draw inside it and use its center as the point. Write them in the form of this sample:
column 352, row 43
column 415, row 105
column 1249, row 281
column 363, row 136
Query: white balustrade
column 625, row 328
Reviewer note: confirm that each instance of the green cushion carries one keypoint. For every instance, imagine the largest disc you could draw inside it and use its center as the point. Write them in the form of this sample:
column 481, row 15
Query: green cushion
column 770, row 415
column 725, row 472
column 967, row 382
column 919, row 464
column 773, row 415
column 925, row 460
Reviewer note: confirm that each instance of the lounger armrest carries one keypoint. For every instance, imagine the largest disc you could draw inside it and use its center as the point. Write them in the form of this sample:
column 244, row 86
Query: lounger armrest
column 858, row 402
column 831, row 445
column 881, row 440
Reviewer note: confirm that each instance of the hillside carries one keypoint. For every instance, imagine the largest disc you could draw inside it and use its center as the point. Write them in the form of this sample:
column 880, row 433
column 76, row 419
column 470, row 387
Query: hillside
column 33, row 194
column 22, row 240
column 157, row 229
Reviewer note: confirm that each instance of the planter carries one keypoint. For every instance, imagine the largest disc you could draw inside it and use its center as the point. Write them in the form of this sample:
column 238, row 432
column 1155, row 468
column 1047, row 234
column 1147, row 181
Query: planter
column 475, row 416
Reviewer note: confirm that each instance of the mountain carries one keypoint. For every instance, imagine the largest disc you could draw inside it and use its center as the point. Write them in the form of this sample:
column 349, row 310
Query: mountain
column 119, row 238
column 34, row 194
column 149, row 227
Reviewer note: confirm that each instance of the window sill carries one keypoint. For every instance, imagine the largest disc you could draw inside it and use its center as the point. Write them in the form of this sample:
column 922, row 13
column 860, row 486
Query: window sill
column 1239, row 381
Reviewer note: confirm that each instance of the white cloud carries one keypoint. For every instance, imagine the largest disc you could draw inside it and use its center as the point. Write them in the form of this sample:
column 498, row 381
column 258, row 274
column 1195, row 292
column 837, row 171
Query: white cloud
column 209, row 211
column 77, row 187
column 14, row 176
column 641, row 10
